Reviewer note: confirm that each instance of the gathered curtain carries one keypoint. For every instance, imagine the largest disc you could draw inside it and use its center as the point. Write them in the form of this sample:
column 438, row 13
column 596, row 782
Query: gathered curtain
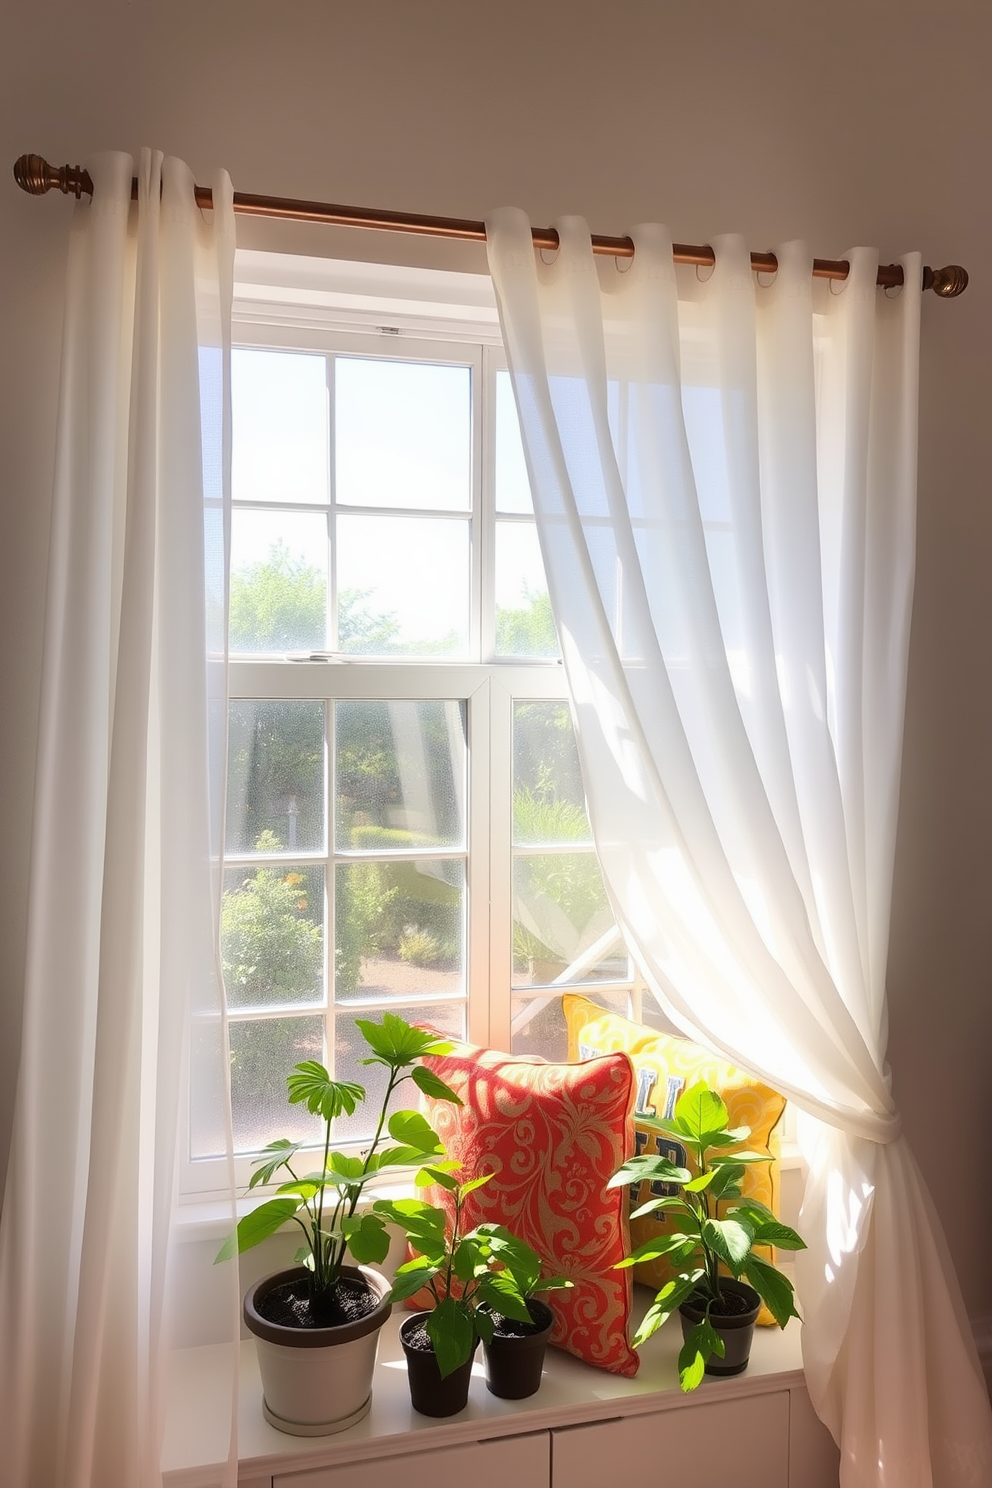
column 122, row 954
column 723, row 472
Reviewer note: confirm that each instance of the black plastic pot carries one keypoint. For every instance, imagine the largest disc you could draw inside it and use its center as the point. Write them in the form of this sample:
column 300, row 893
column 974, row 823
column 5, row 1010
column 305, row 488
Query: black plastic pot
column 515, row 1361
column 431, row 1395
column 736, row 1330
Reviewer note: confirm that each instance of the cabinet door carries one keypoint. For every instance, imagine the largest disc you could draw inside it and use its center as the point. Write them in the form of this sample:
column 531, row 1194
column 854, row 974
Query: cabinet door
column 814, row 1461
column 506, row 1462
column 744, row 1442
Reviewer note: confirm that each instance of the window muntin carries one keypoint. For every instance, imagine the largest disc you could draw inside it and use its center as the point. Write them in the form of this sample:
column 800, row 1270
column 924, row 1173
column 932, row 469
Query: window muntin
column 430, row 847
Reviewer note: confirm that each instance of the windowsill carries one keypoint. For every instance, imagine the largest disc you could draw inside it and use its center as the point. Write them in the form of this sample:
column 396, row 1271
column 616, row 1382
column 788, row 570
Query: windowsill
column 571, row 1393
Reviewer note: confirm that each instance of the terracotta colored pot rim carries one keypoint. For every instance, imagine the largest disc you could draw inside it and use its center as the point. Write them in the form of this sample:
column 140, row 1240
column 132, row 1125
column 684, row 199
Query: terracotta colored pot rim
column 315, row 1337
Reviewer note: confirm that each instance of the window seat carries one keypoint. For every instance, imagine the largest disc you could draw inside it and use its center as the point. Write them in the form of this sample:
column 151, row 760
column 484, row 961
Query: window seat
column 570, row 1431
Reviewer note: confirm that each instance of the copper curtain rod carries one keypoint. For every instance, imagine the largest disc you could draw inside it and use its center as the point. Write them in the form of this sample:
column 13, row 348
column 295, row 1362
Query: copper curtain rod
column 35, row 175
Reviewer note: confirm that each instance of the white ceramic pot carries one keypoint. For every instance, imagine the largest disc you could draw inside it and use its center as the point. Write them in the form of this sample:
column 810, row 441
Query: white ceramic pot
column 316, row 1381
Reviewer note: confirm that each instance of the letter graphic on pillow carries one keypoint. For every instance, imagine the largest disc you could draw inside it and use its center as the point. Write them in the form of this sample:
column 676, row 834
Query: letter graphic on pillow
column 664, row 1064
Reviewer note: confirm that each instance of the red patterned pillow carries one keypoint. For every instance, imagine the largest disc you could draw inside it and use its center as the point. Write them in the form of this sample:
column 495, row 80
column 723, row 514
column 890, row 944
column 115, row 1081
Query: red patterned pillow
column 553, row 1134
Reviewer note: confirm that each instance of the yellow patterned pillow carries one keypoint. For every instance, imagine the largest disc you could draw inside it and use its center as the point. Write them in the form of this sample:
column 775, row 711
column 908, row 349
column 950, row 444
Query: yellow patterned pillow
column 664, row 1066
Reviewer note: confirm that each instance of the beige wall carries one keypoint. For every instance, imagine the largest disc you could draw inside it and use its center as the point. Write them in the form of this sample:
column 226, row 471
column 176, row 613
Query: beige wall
column 863, row 121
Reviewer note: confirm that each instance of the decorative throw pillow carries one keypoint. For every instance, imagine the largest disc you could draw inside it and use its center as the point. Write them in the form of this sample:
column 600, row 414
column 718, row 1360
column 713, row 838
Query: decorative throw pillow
column 553, row 1135
column 665, row 1066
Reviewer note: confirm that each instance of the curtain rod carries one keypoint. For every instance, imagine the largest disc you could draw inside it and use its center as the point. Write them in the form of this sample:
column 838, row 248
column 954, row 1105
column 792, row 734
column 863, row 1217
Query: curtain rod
column 34, row 175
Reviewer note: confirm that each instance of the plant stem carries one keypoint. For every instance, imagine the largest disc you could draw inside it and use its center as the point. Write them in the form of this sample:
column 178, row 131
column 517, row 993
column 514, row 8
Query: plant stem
column 318, row 1244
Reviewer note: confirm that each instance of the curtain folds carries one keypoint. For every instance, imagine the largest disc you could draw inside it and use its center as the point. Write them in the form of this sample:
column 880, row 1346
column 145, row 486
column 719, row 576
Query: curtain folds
column 724, row 483
column 125, row 879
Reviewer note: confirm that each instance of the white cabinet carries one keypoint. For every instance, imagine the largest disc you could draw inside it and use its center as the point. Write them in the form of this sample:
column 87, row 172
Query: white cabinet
column 508, row 1462
column 583, row 1429
column 743, row 1442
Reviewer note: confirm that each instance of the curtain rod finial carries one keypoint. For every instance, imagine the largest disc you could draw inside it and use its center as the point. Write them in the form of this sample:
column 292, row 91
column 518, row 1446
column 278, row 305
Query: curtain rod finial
column 948, row 282
column 34, row 175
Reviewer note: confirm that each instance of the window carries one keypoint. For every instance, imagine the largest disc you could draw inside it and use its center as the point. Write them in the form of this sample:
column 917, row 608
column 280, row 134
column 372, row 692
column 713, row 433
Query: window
column 405, row 818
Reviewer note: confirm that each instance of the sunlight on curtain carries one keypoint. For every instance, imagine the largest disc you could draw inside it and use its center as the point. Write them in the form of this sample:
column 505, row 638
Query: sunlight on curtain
column 724, row 480
column 125, row 880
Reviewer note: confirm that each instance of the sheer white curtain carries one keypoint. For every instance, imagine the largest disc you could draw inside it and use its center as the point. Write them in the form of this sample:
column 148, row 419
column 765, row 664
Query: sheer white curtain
column 724, row 482
column 124, row 875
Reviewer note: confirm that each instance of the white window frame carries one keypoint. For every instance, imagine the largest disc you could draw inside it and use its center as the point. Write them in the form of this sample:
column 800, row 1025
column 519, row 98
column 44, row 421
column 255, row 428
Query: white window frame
column 305, row 305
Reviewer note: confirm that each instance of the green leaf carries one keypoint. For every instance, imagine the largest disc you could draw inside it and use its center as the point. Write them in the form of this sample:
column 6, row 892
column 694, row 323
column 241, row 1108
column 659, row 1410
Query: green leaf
column 661, row 1245
column 701, row 1113
column 671, row 1296
column 304, row 1188
column 439, row 1176
column 344, row 1166
column 396, row 1043
column 721, row 1160
column 473, row 1183
column 449, row 1328
column 367, row 1238
column 431, row 1084
column 423, row 1179
column 728, row 1239
column 405, row 1212
column 520, row 1259
column 754, row 1211
column 468, row 1259
column 411, row 1277
column 774, row 1289
column 653, row 1204
column 412, row 1129
column 257, row 1226
column 273, row 1157
column 701, row 1181
column 484, row 1325
column 500, row 1292
column 651, row 1322
column 701, row 1342
column 312, row 1086
column 400, row 1157
column 772, row 1232
column 726, row 1177
column 656, row 1168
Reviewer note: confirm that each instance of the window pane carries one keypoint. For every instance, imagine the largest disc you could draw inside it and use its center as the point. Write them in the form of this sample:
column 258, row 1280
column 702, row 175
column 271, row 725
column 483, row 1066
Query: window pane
column 263, row 1053
column 399, row 775
column 403, row 585
column 278, row 581
column 539, row 1026
column 275, row 782
column 548, row 800
column 279, row 424
column 447, row 1017
column 512, row 483
column 403, row 434
column 272, row 935
column 399, row 930
column 524, row 624
column 208, row 1102
column 562, row 924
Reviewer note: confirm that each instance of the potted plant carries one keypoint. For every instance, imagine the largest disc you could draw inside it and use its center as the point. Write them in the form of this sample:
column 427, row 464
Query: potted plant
column 316, row 1325
column 718, row 1312
column 477, row 1279
column 514, row 1350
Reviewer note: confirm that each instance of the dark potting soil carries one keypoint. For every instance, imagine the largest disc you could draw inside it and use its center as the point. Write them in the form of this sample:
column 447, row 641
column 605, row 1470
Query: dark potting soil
column 288, row 1304
column 510, row 1328
column 418, row 1339
column 731, row 1304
